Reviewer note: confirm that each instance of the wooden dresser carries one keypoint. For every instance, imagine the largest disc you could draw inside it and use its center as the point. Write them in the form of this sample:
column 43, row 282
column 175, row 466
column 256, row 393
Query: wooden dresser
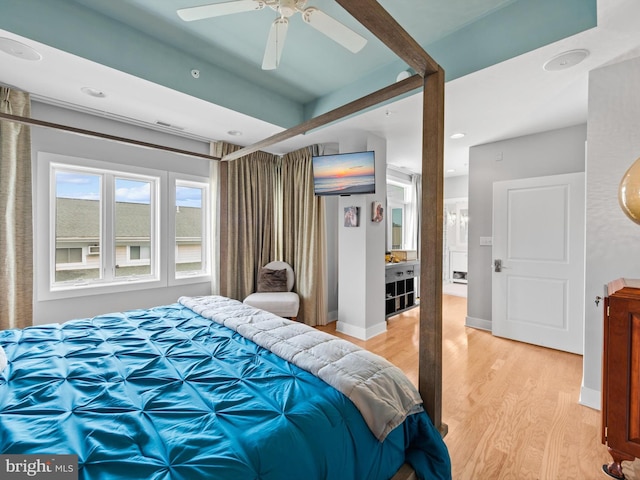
column 621, row 374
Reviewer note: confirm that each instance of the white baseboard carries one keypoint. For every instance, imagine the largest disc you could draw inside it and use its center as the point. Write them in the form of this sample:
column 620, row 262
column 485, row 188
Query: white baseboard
column 590, row 398
column 359, row 332
column 479, row 323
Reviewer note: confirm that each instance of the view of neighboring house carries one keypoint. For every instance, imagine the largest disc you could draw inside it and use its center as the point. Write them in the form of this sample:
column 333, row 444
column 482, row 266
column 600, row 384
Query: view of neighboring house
column 78, row 239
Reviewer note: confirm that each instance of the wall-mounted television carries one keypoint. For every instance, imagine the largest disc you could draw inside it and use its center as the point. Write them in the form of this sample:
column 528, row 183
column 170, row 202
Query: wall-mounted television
column 344, row 174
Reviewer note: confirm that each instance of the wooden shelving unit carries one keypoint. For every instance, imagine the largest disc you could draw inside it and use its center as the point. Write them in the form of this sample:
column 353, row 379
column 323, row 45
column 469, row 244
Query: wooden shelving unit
column 401, row 287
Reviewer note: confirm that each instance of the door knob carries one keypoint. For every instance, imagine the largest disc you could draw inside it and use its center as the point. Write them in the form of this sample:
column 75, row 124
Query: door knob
column 497, row 265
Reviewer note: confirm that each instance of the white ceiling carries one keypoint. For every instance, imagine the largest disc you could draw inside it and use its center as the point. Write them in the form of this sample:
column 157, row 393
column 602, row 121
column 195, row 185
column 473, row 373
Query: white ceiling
column 512, row 98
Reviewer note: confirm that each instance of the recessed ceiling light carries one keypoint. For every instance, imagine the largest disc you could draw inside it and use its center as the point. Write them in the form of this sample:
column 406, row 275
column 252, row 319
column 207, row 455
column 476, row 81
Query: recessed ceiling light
column 235, row 133
column 93, row 92
column 455, row 136
column 565, row 60
column 18, row 50
column 451, row 170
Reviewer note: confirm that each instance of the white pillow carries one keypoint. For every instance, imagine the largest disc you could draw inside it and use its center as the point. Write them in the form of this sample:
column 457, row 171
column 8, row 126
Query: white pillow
column 3, row 359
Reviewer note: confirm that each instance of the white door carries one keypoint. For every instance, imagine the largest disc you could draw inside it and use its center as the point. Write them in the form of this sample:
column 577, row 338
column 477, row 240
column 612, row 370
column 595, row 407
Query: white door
column 538, row 242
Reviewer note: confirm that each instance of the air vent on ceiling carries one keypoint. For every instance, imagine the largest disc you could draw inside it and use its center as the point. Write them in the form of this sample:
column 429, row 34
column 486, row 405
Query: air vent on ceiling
column 168, row 125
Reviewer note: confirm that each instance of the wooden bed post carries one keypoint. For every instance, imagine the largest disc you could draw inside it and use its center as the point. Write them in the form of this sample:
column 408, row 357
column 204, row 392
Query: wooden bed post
column 223, row 189
column 430, row 353
column 431, row 77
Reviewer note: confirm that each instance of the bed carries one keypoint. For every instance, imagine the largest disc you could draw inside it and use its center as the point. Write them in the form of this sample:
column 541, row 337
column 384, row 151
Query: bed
column 51, row 392
column 190, row 390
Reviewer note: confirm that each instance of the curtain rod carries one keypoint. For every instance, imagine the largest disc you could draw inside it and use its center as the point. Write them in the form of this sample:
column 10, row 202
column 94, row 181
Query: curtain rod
column 105, row 136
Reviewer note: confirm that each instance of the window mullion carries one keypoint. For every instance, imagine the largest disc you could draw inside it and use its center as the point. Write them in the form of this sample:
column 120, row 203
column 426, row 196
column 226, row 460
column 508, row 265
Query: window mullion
column 108, row 227
column 154, row 233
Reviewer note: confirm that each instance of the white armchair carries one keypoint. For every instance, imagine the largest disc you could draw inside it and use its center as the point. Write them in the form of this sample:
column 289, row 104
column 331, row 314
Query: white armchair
column 274, row 291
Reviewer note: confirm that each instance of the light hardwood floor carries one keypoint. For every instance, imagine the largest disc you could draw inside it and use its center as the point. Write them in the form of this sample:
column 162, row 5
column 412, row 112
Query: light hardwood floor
column 512, row 408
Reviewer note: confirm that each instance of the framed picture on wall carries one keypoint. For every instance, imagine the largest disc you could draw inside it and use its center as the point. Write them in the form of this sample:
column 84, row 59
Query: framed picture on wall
column 351, row 216
column 376, row 212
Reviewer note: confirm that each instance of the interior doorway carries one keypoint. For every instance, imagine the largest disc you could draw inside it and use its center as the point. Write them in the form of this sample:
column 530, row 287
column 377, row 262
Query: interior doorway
column 455, row 261
column 538, row 252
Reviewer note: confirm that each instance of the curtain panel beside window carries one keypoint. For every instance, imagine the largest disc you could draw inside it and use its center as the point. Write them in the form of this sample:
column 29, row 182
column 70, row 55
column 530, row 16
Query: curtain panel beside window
column 249, row 242
column 272, row 214
column 16, row 231
column 304, row 238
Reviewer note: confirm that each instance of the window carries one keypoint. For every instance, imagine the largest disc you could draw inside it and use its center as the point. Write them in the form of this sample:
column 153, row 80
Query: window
column 133, row 227
column 105, row 227
column 191, row 257
column 139, row 253
column 68, row 255
column 78, row 199
column 397, row 222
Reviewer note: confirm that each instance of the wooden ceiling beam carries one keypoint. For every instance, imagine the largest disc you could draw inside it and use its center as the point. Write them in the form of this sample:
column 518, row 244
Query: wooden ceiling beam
column 386, row 93
column 378, row 21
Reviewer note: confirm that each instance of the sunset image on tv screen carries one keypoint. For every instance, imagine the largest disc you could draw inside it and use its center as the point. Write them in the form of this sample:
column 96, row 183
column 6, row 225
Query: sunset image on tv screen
column 344, row 174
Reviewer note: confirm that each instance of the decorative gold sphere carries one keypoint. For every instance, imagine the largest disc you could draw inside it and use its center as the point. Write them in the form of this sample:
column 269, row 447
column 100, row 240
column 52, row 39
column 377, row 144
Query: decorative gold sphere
column 629, row 192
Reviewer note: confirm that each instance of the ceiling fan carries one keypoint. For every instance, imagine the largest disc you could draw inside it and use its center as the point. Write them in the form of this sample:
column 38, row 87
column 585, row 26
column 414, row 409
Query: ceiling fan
column 319, row 20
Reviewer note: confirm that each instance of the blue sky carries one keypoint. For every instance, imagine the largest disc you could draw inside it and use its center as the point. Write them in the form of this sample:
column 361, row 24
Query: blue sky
column 86, row 186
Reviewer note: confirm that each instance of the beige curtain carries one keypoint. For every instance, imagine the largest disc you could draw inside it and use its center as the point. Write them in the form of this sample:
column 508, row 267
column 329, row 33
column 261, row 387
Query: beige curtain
column 304, row 245
column 253, row 192
column 16, row 236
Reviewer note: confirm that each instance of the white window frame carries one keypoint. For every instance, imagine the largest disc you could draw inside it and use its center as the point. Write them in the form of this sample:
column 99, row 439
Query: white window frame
column 46, row 289
column 183, row 180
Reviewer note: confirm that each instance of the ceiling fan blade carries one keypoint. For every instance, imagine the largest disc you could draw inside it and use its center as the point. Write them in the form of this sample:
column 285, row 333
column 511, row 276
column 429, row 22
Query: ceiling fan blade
column 219, row 9
column 275, row 43
column 333, row 29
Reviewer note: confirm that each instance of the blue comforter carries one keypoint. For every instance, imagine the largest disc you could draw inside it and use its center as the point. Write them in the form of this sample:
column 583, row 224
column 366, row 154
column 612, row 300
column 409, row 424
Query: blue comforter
column 167, row 394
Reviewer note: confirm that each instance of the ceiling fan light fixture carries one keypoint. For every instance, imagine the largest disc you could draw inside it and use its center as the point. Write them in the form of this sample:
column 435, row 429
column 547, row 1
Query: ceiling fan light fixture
column 323, row 23
column 286, row 8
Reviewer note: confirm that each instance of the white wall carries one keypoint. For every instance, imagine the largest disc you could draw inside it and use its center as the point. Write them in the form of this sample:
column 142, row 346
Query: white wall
column 612, row 240
column 456, row 187
column 332, row 224
column 548, row 153
column 55, row 141
column 361, row 274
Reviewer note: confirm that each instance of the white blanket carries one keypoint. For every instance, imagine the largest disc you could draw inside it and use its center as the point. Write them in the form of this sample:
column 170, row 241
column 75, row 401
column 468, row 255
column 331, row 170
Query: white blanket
column 380, row 390
column 3, row 359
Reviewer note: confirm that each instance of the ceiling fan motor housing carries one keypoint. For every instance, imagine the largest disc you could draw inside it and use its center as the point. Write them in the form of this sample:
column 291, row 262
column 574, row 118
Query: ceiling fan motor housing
column 289, row 7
